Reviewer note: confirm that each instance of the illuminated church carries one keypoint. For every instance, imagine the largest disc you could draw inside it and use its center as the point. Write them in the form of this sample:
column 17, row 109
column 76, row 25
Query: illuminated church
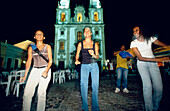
column 69, row 32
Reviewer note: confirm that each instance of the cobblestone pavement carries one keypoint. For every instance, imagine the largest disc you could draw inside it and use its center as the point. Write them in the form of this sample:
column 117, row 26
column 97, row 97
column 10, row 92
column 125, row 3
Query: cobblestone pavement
column 66, row 97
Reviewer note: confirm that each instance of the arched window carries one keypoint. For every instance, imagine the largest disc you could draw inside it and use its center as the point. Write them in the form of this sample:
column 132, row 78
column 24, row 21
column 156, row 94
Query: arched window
column 79, row 17
column 79, row 36
column 62, row 17
column 96, row 16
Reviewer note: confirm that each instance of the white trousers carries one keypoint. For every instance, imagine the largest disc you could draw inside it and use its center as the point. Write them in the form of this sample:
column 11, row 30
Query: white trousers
column 35, row 78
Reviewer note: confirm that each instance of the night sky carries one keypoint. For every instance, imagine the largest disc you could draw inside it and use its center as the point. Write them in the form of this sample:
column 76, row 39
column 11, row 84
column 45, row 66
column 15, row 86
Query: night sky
column 21, row 18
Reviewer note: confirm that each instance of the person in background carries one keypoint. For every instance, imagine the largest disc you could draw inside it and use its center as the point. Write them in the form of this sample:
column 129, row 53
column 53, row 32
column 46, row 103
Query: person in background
column 122, row 70
column 111, row 69
column 90, row 52
column 40, row 74
column 148, row 68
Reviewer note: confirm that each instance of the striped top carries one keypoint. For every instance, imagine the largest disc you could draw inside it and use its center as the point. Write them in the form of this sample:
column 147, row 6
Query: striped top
column 38, row 60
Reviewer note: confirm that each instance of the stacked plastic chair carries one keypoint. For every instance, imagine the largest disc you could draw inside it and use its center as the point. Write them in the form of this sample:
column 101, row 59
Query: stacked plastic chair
column 20, row 73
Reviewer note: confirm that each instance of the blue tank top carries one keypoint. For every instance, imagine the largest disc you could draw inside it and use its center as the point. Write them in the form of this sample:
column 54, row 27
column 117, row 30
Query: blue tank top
column 86, row 57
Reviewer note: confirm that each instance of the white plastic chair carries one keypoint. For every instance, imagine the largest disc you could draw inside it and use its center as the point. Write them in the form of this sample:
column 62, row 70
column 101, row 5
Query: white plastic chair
column 73, row 74
column 55, row 76
column 62, row 77
column 68, row 72
column 17, row 85
column 69, row 75
column 76, row 75
column 12, row 74
column 4, row 75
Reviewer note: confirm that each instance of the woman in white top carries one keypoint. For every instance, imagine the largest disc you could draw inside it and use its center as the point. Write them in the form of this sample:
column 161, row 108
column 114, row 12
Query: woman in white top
column 148, row 68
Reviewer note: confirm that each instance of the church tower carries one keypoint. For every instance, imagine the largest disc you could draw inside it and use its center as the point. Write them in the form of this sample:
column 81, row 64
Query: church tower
column 95, row 12
column 69, row 32
column 63, row 12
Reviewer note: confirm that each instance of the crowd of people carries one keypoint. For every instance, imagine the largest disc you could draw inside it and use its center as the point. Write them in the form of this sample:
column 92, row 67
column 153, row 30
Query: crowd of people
column 146, row 64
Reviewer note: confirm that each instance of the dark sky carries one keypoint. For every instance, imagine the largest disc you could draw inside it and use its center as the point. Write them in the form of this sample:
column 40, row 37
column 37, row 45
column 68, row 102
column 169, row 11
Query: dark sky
column 21, row 18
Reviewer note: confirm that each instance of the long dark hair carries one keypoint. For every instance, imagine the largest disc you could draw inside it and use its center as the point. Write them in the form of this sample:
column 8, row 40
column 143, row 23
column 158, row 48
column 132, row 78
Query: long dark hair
column 144, row 33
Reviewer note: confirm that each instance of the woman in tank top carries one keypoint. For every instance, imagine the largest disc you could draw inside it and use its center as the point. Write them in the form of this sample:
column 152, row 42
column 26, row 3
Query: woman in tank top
column 40, row 74
column 90, row 52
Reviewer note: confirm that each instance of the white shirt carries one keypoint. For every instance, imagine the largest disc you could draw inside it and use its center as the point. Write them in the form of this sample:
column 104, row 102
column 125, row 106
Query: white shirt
column 144, row 48
column 111, row 66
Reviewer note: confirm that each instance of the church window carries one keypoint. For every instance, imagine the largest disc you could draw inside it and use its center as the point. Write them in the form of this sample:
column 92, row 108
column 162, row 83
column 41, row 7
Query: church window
column 96, row 32
column 79, row 36
column 96, row 16
column 61, row 46
column 62, row 17
column 62, row 32
column 79, row 17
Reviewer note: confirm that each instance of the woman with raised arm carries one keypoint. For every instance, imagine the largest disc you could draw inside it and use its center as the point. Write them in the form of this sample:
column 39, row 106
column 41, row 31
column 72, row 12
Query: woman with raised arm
column 148, row 68
column 40, row 74
column 90, row 52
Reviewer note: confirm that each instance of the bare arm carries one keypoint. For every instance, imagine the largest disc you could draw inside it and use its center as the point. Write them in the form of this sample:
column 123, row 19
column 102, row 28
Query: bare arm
column 28, row 64
column 116, row 52
column 91, row 52
column 131, row 52
column 77, row 54
column 137, row 53
column 96, row 55
column 157, row 42
column 49, row 58
column 49, row 52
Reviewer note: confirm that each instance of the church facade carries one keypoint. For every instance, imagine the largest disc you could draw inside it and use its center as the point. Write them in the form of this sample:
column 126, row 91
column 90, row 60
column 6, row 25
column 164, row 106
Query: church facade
column 69, row 32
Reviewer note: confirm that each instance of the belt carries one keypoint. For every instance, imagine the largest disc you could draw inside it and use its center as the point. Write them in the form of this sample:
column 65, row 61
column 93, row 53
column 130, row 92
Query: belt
column 40, row 67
